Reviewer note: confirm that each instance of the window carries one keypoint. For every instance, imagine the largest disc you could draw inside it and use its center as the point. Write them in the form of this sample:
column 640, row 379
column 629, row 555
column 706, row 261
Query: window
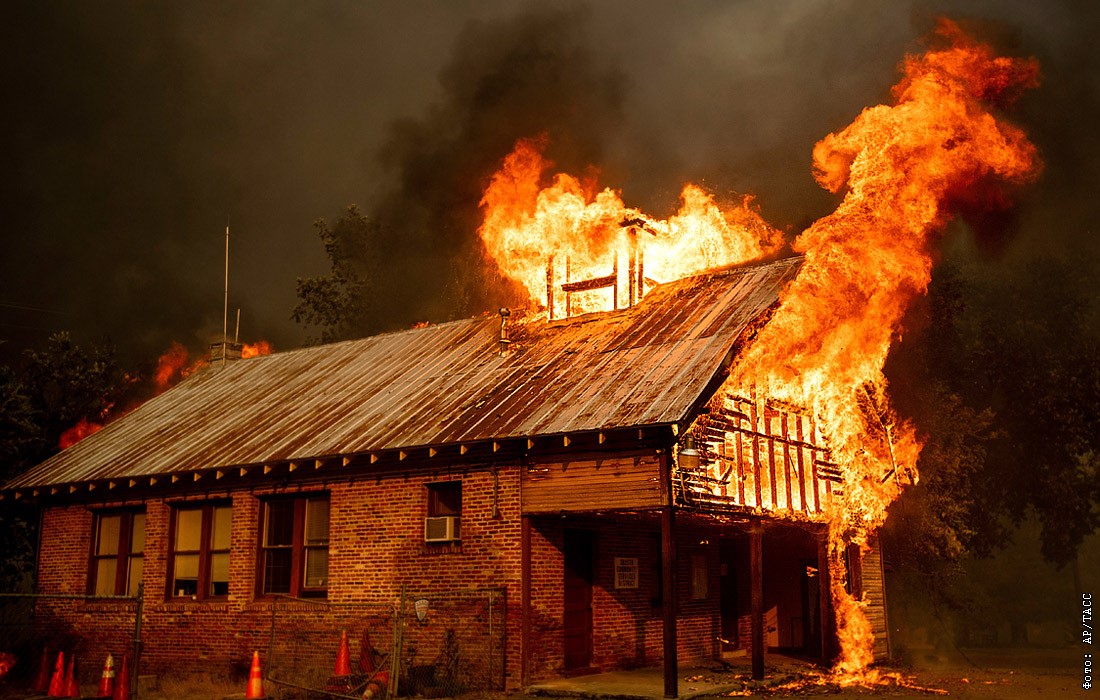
column 294, row 546
column 445, row 498
column 117, row 553
column 444, row 512
column 199, row 560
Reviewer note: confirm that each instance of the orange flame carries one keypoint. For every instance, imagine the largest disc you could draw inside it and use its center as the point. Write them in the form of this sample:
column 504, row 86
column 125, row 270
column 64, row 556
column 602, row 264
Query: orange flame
column 78, row 432
column 257, row 349
column 903, row 166
column 173, row 366
column 584, row 234
column 826, row 345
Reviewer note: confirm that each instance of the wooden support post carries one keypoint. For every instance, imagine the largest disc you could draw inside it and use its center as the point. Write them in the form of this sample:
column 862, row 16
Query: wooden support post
column 615, row 287
column 756, row 574
column 668, row 580
column 525, row 595
column 825, row 593
column 550, row 288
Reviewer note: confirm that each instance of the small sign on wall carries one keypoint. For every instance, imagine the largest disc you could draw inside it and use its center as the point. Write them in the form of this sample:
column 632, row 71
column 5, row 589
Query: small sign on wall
column 626, row 572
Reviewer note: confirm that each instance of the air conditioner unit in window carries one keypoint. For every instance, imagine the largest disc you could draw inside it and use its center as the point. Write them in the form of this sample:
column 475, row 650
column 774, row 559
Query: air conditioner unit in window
column 441, row 529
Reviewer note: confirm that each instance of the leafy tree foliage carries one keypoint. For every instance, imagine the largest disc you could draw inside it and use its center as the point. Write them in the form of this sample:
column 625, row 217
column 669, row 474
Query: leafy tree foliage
column 339, row 303
column 1002, row 378
column 56, row 387
column 66, row 383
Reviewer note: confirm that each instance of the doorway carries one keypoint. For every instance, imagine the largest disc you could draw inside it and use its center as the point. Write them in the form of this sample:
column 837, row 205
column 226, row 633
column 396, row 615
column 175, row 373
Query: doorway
column 577, row 621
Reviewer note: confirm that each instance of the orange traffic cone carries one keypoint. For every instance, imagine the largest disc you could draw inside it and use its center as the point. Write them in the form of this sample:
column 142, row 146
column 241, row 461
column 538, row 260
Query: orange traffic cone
column 42, row 680
column 107, row 680
column 366, row 654
column 72, row 688
column 255, row 690
column 343, row 656
column 122, row 683
column 57, row 681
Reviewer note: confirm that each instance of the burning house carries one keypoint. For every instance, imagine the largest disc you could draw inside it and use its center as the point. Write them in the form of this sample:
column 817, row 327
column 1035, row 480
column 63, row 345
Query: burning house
column 676, row 453
column 591, row 466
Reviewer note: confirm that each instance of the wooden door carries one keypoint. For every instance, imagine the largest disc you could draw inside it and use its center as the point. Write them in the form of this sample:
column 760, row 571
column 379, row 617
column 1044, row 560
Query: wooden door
column 577, row 622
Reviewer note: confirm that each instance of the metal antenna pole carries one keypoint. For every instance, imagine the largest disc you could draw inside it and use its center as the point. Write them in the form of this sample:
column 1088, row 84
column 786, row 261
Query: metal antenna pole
column 225, row 306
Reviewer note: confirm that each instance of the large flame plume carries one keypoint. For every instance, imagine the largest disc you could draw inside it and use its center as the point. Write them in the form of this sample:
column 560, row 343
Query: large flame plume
column 571, row 231
column 825, row 347
column 901, row 167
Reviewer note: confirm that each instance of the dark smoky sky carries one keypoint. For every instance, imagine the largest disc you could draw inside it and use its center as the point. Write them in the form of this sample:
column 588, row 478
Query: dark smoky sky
column 132, row 131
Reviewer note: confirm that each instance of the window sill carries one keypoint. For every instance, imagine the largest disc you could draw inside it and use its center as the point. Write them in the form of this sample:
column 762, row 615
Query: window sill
column 218, row 605
column 112, row 604
column 436, row 549
column 266, row 603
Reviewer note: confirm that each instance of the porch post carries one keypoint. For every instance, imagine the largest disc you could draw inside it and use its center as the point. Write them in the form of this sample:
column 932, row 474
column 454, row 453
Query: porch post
column 824, row 588
column 668, row 580
column 756, row 573
column 525, row 598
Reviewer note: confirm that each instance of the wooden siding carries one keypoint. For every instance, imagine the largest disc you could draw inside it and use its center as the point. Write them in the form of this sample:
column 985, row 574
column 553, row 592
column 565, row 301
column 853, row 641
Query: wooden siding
column 758, row 456
column 874, row 592
column 591, row 485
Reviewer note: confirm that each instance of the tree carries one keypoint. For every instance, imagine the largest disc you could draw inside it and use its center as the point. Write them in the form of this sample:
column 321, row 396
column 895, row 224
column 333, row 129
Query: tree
column 55, row 388
column 339, row 303
column 1000, row 376
column 66, row 383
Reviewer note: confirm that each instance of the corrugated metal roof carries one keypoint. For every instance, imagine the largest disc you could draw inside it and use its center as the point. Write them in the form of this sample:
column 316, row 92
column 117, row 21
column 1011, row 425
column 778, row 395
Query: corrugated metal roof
column 443, row 384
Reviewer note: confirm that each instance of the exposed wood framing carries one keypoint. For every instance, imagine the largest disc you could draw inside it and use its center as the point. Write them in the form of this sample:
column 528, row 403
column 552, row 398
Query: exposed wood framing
column 758, row 456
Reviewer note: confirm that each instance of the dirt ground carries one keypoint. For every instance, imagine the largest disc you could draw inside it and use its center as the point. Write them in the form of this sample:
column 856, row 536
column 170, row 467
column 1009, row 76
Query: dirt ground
column 1011, row 674
column 1008, row 674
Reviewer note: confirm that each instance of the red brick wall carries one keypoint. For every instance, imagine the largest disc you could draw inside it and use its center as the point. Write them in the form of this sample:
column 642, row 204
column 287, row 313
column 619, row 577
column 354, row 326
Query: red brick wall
column 627, row 625
column 376, row 545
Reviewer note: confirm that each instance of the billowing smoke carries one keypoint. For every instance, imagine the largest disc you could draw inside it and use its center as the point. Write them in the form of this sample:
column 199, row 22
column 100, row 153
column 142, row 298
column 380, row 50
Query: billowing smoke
column 528, row 75
column 135, row 131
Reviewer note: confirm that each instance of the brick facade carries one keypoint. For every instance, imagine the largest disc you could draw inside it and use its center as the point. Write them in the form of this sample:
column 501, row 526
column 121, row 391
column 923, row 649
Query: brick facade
column 376, row 545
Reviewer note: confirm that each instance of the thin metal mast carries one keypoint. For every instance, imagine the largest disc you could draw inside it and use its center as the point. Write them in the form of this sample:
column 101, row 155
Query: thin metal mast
column 225, row 306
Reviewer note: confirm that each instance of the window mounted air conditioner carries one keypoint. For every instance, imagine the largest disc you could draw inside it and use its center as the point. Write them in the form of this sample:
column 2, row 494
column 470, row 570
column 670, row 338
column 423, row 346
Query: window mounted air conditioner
column 441, row 529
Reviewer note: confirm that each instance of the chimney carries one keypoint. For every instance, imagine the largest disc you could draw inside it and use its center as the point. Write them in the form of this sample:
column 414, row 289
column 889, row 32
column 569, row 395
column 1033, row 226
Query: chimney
column 224, row 351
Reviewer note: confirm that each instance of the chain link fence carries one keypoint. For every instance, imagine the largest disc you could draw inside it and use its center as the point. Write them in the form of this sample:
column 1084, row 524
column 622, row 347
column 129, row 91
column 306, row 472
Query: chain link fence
column 43, row 640
column 437, row 645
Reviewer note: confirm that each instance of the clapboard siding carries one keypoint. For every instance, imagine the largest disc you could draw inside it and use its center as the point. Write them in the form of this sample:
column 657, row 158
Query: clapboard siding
column 874, row 592
column 588, row 485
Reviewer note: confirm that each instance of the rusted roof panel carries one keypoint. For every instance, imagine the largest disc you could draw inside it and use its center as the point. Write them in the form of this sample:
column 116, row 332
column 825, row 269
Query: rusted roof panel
column 444, row 384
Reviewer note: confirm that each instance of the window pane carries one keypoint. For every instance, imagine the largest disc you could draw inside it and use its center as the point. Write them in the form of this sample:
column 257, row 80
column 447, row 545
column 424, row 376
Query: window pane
column 219, row 536
column 277, row 568
column 279, row 528
column 135, row 575
column 105, row 570
column 317, row 522
column 188, row 532
column 316, row 568
column 137, row 534
column 186, row 581
column 445, row 498
column 219, row 574
column 107, row 542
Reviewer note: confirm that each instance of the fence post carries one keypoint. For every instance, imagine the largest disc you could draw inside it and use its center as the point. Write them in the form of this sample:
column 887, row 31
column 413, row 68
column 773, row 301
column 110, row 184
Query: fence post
column 270, row 665
column 398, row 641
column 139, row 613
column 492, row 642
